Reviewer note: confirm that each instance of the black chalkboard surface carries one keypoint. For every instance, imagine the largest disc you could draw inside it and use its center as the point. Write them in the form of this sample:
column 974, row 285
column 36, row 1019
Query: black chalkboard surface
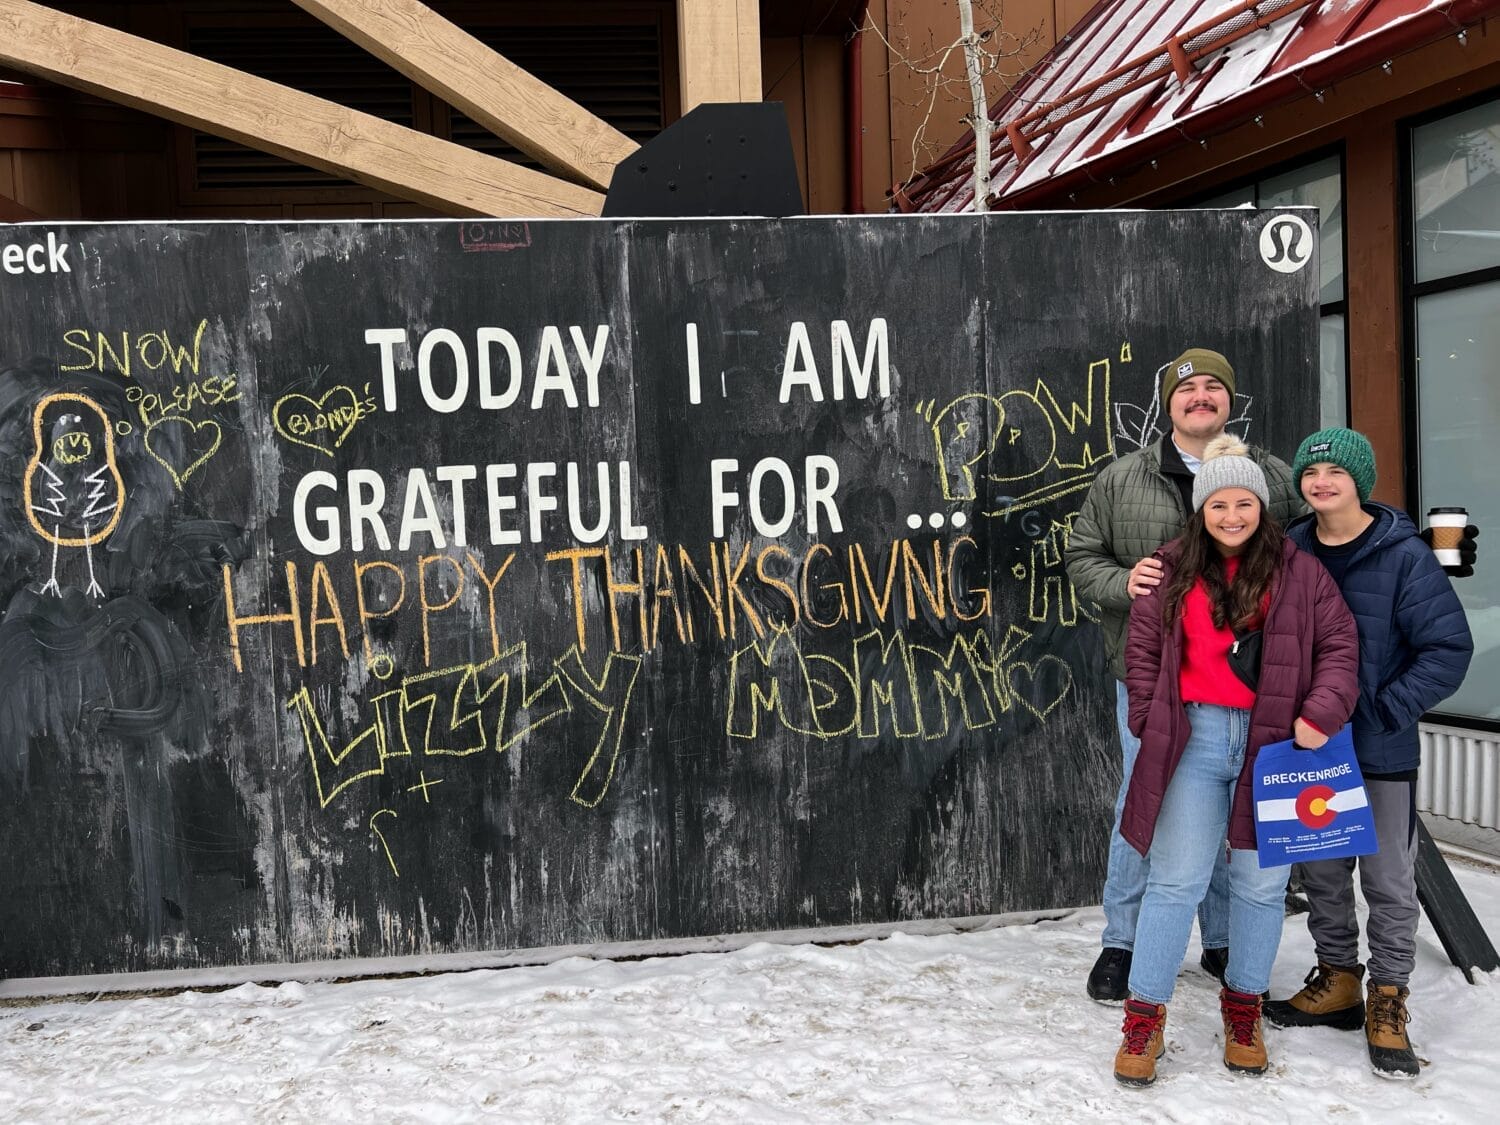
column 374, row 589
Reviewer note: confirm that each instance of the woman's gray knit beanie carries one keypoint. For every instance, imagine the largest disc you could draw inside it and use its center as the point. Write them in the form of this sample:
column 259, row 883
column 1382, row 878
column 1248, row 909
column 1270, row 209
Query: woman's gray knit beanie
column 1227, row 464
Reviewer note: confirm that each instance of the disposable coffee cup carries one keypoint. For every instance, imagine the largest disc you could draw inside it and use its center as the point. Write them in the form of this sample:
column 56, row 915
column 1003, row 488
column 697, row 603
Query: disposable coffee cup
column 1447, row 529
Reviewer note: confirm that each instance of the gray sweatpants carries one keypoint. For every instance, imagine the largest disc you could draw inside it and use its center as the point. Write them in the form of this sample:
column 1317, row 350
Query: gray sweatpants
column 1389, row 881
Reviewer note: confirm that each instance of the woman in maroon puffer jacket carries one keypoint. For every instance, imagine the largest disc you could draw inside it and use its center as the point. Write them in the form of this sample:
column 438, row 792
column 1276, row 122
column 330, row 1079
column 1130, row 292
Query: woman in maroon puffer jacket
column 1201, row 724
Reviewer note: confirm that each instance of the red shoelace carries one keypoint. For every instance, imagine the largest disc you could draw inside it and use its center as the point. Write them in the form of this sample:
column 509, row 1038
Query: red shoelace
column 1138, row 1030
column 1242, row 1018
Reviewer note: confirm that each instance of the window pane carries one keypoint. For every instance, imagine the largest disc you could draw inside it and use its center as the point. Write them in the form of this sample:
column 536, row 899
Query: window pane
column 1316, row 185
column 1456, row 193
column 1458, row 336
column 1335, row 409
column 1239, row 197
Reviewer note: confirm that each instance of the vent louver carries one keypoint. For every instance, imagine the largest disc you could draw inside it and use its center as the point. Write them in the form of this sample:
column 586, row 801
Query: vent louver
column 613, row 71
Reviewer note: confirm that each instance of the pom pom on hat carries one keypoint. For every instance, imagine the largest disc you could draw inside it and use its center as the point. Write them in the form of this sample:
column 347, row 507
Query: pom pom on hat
column 1348, row 449
column 1227, row 464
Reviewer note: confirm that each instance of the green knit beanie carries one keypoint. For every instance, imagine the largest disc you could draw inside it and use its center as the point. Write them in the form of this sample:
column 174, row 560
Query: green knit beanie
column 1196, row 361
column 1347, row 449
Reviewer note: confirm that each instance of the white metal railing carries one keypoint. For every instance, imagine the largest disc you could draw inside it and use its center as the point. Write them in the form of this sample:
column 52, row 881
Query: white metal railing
column 1460, row 775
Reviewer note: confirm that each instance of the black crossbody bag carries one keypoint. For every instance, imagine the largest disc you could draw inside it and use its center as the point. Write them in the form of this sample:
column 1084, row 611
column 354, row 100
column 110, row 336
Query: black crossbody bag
column 1244, row 656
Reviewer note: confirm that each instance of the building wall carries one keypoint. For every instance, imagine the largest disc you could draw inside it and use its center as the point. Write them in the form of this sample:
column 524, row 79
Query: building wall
column 63, row 155
column 808, row 74
column 900, row 102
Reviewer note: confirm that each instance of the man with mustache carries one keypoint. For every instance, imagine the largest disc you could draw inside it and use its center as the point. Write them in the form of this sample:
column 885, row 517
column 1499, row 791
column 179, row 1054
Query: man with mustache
column 1134, row 506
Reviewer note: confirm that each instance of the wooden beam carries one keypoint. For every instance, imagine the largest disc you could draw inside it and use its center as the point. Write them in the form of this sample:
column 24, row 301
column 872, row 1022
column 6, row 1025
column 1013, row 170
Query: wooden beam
column 442, row 57
column 1372, row 281
column 718, row 51
column 297, row 126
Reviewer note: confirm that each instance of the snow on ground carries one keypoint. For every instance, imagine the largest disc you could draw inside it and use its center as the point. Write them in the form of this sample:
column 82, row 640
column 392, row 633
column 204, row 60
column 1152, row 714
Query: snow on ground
column 983, row 1026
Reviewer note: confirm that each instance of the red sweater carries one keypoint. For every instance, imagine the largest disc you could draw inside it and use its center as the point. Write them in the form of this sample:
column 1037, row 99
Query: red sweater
column 1206, row 676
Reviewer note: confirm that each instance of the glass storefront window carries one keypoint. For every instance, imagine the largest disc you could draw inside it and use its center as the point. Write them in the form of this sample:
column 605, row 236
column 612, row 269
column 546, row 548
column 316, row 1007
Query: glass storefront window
column 1458, row 393
column 1239, row 197
column 1456, row 193
column 1317, row 185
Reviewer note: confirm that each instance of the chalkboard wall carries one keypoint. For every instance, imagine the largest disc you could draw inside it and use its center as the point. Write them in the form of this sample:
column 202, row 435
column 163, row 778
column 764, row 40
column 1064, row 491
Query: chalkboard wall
column 374, row 589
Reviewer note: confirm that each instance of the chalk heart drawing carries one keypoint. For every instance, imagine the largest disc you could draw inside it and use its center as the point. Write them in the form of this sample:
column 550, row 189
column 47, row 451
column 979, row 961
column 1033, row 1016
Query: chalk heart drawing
column 321, row 423
column 1041, row 686
column 196, row 443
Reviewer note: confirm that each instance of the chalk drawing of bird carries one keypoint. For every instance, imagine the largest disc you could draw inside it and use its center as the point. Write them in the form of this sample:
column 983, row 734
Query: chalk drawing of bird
column 73, row 492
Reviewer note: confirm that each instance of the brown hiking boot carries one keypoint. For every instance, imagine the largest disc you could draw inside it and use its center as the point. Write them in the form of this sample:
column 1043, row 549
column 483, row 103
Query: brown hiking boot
column 1331, row 997
column 1391, row 1055
column 1145, row 1025
column 1244, row 1049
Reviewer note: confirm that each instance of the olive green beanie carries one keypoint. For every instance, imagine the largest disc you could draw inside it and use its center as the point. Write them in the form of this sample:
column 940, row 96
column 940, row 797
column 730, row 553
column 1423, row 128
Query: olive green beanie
column 1196, row 361
column 1345, row 448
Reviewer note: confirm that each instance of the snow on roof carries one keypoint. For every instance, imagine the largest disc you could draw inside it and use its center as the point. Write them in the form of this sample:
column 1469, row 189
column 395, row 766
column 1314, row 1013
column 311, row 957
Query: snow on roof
column 1133, row 79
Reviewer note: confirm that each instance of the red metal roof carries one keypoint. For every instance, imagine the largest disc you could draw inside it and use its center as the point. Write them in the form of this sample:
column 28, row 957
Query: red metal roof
column 1135, row 79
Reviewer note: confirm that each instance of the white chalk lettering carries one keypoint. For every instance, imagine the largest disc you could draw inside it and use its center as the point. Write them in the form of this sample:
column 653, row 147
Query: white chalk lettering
column 443, row 337
column 326, row 542
column 592, row 500
column 366, row 512
column 442, row 355
column 37, row 257
column 820, row 480
column 419, row 492
column 799, row 369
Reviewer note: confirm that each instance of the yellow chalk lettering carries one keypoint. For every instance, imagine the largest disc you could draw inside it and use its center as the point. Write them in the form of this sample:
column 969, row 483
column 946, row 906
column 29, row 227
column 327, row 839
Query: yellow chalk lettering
column 489, row 584
column 575, row 556
column 428, row 608
column 737, row 595
column 236, row 622
column 360, row 569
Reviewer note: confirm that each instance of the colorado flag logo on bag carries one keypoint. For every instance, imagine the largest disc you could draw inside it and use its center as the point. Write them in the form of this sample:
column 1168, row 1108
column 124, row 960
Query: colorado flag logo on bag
column 1317, row 806
column 1311, row 804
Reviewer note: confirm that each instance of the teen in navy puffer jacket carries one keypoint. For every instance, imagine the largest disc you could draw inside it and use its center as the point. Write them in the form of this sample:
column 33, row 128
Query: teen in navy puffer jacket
column 1414, row 643
column 1414, row 649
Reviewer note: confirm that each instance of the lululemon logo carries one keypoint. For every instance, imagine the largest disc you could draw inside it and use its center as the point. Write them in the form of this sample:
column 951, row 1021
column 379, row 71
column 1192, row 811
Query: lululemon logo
column 1286, row 243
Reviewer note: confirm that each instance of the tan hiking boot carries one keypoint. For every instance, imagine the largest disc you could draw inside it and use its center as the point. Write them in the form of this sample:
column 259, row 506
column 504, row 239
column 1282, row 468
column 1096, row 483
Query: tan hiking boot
column 1331, row 996
column 1391, row 1055
column 1244, row 1049
column 1145, row 1026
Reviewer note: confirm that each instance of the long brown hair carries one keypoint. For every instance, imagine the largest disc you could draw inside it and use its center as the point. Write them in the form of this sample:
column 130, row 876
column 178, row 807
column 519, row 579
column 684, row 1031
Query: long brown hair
column 1234, row 605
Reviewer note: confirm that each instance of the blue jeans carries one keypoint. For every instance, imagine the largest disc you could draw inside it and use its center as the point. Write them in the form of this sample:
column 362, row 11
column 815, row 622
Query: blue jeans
column 1126, row 881
column 1190, row 833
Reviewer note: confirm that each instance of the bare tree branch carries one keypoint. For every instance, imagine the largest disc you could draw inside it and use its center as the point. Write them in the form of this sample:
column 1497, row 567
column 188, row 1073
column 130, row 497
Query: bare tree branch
column 988, row 50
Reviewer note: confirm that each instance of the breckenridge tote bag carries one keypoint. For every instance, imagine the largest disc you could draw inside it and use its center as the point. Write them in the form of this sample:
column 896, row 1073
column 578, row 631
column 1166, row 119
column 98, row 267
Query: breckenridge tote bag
column 1311, row 804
